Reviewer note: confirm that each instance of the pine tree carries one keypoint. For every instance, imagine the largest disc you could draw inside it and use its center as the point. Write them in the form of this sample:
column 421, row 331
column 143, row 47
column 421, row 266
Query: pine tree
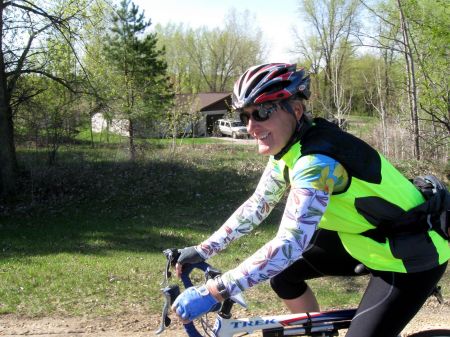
column 143, row 90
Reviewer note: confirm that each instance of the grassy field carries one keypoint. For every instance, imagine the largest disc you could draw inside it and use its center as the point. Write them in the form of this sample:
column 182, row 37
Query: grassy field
column 85, row 236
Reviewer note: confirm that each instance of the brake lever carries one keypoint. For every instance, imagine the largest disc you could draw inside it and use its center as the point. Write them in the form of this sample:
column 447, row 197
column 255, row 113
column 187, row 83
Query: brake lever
column 170, row 294
column 171, row 255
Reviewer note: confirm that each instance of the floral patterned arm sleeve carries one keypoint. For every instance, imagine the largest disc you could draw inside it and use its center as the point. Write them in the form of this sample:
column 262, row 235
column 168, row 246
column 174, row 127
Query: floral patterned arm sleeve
column 251, row 213
column 307, row 201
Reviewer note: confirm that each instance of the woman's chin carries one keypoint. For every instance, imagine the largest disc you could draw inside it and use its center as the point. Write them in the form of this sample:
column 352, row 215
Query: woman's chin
column 268, row 147
column 264, row 149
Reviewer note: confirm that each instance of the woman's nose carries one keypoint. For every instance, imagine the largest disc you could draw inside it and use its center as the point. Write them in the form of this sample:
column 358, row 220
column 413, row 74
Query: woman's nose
column 251, row 125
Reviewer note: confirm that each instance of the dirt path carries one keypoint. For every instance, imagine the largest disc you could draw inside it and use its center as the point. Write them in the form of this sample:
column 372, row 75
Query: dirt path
column 138, row 325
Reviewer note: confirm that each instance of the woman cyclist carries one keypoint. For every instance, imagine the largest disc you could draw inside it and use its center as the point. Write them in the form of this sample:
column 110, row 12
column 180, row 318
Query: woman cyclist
column 341, row 192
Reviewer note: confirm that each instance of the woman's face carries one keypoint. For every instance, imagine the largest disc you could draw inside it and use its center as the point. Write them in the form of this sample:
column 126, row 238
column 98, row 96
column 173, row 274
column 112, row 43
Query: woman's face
column 274, row 133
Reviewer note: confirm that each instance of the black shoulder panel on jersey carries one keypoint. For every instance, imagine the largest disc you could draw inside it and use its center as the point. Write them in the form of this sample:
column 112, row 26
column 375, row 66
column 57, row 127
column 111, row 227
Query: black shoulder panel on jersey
column 358, row 158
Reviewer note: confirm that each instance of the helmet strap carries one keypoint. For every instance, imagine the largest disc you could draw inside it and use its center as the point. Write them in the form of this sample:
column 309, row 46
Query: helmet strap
column 288, row 107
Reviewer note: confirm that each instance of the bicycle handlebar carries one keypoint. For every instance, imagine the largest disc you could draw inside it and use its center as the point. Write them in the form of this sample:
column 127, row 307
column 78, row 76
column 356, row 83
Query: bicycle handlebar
column 188, row 268
column 171, row 292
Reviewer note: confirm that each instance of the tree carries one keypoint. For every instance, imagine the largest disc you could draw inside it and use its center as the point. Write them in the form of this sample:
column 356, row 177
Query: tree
column 416, row 31
column 223, row 54
column 411, row 83
column 342, row 99
column 332, row 22
column 208, row 59
column 143, row 88
column 54, row 111
column 184, row 73
column 98, row 67
column 183, row 117
column 427, row 27
column 25, row 25
column 379, row 101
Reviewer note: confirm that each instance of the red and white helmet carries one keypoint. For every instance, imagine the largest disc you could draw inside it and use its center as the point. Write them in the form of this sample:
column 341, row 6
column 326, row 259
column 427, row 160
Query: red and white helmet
column 270, row 82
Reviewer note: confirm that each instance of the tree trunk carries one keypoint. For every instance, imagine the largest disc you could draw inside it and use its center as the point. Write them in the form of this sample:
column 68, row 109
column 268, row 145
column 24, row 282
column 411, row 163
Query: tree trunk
column 91, row 132
column 131, row 135
column 8, row 161
column 328, row 90
column 411, row 81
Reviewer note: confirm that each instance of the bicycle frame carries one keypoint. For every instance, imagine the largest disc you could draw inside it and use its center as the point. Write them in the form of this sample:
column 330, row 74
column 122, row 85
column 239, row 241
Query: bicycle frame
column 323, row 324
column 306, row 324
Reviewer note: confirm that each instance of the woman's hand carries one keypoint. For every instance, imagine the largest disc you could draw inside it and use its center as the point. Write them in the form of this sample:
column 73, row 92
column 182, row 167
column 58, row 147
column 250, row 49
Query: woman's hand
column 187, row 255
column 194, row 302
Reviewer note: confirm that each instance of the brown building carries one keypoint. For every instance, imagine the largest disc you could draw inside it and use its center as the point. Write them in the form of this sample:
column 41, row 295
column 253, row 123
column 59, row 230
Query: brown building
column 207, row 106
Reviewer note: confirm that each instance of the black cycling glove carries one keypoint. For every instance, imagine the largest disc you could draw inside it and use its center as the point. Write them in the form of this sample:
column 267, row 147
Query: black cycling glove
column 189, row 255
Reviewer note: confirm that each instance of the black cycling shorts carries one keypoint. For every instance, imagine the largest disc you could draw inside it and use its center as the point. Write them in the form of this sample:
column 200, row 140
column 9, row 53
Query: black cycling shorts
column 390, row 301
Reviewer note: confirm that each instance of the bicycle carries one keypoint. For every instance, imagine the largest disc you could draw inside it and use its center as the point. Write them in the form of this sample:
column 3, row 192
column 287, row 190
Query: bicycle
column 310, row 324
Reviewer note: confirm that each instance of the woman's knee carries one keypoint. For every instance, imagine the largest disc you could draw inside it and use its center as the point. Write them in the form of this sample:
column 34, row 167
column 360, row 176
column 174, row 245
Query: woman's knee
column 286, row 287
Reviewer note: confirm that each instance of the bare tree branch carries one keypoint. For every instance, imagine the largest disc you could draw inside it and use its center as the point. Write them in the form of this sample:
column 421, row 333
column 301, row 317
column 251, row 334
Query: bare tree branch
column 375, row 13
column 57, row 79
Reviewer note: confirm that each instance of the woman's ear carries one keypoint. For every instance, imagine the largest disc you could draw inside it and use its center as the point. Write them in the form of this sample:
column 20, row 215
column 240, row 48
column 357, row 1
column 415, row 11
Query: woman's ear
column 298, row 109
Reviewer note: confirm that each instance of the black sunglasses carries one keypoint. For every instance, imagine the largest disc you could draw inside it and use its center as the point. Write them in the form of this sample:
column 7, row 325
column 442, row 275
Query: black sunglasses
column 260, row 115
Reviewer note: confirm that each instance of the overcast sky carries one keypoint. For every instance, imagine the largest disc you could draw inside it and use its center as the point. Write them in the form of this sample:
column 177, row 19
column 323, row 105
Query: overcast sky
column 274, row 18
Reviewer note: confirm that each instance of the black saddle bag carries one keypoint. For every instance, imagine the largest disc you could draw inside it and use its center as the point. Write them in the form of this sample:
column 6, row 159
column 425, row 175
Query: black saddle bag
column 436, row 208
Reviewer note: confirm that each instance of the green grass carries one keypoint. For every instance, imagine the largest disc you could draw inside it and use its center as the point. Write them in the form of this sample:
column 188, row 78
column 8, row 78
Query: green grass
column 85, row 236
column 100, row 138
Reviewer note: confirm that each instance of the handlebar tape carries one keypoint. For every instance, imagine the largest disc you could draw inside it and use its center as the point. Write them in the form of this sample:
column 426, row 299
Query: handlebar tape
column 188, row 268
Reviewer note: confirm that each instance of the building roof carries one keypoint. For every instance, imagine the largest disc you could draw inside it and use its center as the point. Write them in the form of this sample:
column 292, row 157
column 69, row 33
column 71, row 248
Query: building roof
column 204, row 99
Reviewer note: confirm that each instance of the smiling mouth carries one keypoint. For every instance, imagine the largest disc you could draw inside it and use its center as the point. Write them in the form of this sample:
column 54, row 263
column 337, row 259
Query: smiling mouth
column 263, row 136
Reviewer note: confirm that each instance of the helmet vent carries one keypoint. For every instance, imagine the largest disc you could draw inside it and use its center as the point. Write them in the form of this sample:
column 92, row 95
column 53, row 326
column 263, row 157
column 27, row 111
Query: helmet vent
column 255, row 82
column 277, row 87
